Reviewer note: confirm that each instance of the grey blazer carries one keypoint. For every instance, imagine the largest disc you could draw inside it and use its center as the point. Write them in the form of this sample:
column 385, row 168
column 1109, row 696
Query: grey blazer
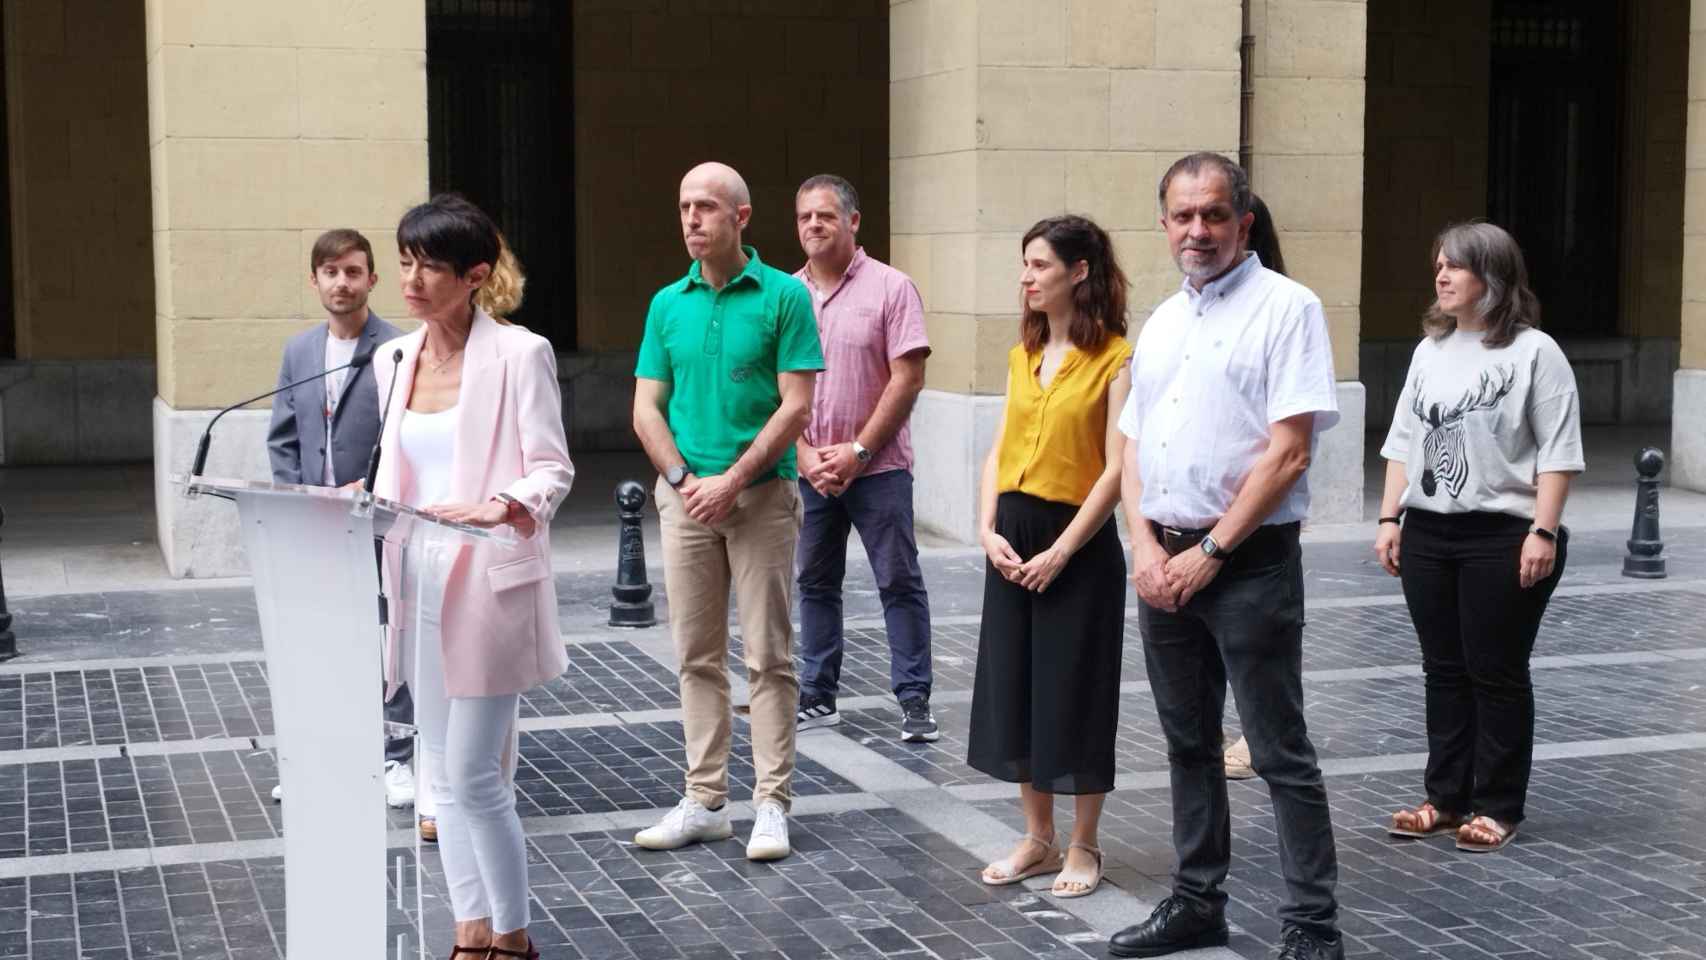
column 296, row 441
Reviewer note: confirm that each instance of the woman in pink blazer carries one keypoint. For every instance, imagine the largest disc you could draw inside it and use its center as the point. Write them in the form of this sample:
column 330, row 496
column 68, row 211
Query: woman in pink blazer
column 476, row 436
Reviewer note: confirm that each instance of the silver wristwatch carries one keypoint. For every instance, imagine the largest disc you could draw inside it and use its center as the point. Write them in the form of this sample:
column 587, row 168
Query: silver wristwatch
column 1209, row 547
column 860, row 453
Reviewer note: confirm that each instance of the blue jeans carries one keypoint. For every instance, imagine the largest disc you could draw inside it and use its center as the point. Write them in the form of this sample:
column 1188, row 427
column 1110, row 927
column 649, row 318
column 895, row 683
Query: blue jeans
column 879, row 506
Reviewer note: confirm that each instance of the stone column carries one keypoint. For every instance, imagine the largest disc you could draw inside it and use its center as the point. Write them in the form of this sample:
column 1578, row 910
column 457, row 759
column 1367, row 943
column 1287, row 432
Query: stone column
column 1688, row 413
column 268, row 124
column 1003, row 112
column 1309, row 65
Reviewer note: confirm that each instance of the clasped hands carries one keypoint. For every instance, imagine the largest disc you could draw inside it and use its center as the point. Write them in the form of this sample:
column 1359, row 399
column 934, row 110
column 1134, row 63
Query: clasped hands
column 1034, row 574
column 830, row 469
column 1169, row 582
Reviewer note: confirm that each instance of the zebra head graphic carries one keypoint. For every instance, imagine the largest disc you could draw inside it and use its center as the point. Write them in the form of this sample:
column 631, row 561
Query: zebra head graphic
column 1445, row 460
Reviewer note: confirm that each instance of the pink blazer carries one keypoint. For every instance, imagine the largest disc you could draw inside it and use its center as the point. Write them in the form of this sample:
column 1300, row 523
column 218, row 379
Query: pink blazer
column 500, row 605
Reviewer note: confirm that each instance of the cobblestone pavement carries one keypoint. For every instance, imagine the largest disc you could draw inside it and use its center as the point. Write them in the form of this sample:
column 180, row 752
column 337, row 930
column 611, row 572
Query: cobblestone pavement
column 136, row 819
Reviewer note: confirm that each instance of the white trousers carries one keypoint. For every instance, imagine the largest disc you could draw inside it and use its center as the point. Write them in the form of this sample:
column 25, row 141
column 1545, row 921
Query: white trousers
column 465, row 741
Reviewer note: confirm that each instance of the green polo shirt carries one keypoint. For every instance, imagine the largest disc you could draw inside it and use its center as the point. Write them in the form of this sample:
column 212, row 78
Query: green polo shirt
column 720, row 351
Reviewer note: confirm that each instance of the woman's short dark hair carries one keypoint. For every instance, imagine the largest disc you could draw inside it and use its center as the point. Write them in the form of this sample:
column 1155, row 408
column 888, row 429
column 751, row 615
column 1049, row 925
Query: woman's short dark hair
column 1264, row 237
column 1493, row 256
column 1099, row 298
column 450, row 230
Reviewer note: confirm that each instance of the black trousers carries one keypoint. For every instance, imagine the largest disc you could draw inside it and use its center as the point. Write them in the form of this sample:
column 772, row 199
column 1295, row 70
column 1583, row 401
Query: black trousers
column 1045, row 705
column 1477, row 627
column 1246, row 629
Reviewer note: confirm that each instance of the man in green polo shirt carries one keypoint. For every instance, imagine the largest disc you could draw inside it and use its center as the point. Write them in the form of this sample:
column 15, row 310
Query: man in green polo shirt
column 723, row 388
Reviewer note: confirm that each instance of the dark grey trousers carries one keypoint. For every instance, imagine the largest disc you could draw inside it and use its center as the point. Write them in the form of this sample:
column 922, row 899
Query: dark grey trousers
column 1246, row 629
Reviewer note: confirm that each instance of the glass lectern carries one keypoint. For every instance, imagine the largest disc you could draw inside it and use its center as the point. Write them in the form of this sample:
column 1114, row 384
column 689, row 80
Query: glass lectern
column 311, row 554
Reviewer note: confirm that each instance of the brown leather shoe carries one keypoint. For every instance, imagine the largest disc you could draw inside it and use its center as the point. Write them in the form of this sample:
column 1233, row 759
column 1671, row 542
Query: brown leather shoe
column 429, row 829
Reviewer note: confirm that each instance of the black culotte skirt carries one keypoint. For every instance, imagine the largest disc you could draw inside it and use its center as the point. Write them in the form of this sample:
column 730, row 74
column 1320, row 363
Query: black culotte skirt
column 1045, row 709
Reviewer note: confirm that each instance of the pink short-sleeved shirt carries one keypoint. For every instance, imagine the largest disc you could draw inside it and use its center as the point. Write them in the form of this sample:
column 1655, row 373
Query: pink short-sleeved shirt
column 872, row 316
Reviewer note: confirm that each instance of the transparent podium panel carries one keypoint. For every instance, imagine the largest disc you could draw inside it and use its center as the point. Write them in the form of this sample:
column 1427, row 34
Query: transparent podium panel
column 311, row 552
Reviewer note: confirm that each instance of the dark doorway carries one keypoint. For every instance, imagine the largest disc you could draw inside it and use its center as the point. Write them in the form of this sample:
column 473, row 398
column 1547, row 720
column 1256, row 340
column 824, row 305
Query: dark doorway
column 8, row 306
column 1553, row 173
column 500, row 131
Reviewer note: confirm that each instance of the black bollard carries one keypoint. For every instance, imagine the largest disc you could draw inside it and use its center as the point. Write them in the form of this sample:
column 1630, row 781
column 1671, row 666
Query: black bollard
column 633, row 606
column 8, row 641
column 1645, row 546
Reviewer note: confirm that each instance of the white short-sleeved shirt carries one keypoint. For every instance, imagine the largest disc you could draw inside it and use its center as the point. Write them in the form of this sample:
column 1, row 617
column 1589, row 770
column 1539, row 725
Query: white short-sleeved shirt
column 1211, row 371
column 1476, row 426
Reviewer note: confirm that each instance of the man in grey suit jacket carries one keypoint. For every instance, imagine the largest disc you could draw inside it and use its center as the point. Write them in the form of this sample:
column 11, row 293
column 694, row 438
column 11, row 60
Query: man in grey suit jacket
column 323, row 431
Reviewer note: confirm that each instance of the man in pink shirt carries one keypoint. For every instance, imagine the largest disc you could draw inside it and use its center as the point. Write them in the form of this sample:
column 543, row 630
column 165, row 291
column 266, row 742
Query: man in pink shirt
column 855, row 457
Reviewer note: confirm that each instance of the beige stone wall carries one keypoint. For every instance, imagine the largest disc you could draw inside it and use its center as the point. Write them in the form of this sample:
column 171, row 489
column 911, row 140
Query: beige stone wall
column 1656, row 124
column 1307, row 141
column 780, row 91
column 1005, row 112
column 1425, row 145
column 77, row 112
column 268, row 124
column 1693, row 325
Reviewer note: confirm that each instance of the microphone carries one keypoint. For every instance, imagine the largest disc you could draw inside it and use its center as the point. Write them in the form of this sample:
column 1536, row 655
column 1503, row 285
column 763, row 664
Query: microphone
column 373, row 458
column 356, row 363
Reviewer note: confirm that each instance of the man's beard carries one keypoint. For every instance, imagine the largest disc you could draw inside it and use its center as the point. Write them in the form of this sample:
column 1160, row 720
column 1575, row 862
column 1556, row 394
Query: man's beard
column 357, row 307
column 1204, row 267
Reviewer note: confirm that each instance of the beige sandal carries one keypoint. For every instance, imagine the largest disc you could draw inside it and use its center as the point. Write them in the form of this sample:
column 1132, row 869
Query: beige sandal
column 1430, row 822
column 1090, row 885
column 1002, row 873
column 1502, row 834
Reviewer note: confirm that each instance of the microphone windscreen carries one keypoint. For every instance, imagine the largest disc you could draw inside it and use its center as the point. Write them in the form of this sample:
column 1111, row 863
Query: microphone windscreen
column 397, row 355
column 361, row 360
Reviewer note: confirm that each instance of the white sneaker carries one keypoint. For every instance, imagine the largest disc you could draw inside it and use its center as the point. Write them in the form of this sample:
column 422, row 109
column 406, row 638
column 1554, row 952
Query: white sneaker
column 688, row 823
column 769, row 833
column 399, row 784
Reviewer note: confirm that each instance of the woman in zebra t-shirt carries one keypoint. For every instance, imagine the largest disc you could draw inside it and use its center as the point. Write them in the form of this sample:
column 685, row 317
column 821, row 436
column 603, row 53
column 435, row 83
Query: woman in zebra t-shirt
column 1483, row 444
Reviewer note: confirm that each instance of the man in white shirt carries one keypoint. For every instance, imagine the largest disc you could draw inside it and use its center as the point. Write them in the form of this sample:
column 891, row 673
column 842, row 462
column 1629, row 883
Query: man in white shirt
column 1232, row 377
column 323, row 431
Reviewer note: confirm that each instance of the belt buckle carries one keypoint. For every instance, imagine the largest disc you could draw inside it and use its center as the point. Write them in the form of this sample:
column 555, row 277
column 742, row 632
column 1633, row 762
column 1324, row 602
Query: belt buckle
column 1172, row 540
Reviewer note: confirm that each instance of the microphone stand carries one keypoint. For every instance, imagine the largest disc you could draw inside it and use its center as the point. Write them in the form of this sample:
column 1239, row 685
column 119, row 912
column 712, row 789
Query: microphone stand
column 373, row 475
column 356, row 363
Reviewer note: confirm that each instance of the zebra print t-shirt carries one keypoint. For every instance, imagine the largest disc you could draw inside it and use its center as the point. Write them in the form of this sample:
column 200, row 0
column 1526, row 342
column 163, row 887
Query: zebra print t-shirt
column 1475, row 426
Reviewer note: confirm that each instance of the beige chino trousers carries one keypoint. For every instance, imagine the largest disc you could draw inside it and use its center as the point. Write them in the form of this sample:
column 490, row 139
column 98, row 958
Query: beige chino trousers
column 752, row 550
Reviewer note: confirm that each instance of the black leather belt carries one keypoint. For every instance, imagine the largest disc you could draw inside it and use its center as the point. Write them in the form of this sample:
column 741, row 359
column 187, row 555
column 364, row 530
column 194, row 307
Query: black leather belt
column 1176, row 541
column 1270, row 543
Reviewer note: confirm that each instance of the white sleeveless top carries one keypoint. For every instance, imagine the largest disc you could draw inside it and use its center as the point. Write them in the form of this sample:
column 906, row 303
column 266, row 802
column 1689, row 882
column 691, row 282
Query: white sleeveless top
column 428, row 442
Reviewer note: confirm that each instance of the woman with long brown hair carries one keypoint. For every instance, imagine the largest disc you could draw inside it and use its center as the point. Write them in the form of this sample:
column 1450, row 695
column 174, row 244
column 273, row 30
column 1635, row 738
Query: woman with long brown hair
column 1045, row 707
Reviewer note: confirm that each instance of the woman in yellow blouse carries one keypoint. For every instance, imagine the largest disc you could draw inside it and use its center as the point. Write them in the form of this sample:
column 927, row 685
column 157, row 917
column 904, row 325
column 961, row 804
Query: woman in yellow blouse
column 1046, row 704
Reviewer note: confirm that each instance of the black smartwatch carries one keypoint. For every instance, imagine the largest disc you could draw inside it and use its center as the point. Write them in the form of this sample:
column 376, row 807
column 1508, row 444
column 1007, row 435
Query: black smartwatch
column 1544, row 534
column 675, row 475
column 1212, row 549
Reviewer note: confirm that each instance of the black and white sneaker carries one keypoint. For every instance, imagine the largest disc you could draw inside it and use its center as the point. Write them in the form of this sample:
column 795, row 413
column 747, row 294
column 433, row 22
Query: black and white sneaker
column 917, row 723
column 816, row 712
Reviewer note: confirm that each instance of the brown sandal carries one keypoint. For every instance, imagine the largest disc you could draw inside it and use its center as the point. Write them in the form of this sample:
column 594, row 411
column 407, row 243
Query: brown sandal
column 1433, row 822
column 480, row 953
column 531, row 953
